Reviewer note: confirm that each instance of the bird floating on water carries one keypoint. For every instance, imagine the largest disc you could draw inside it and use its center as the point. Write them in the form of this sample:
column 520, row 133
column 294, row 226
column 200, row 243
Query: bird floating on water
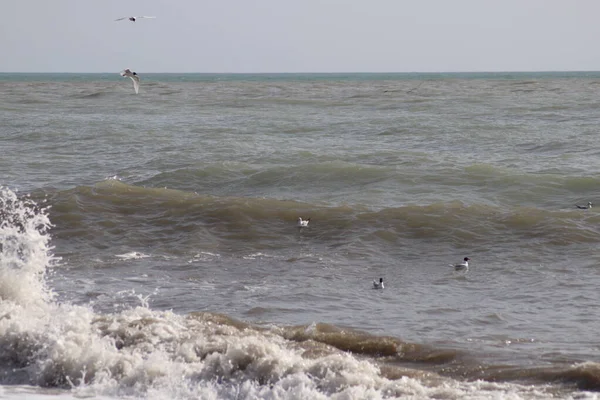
column 134, row 77
column 589, row 205
column 132, row 19
column 378, row 285
column 303, row 223
column 463, row 265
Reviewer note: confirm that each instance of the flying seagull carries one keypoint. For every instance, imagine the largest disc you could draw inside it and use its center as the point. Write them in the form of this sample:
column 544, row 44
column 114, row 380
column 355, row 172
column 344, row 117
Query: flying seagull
column 134, row 77
column 132, row 19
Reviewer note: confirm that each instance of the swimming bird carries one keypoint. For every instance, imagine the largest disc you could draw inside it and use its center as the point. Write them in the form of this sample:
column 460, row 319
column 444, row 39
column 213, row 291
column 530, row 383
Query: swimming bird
column 589, row 205
column 303, row 223
column 378, row 285
column 134, row 77
column 132, row 19
column 462, row 265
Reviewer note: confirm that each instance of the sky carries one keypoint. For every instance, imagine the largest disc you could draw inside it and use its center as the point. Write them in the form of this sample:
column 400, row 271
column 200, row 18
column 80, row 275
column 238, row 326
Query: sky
column 268, row 36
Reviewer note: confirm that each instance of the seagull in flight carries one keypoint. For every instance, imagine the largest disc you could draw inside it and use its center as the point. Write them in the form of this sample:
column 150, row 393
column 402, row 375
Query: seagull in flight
column 134, row 77
column 132, row 19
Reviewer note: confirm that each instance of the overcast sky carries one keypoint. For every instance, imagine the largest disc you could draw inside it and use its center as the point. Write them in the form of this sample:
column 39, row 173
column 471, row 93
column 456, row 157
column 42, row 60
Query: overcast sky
column 300, row 36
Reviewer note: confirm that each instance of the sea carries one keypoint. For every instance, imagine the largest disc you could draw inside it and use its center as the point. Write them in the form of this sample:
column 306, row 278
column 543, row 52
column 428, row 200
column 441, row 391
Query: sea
column 149, row 246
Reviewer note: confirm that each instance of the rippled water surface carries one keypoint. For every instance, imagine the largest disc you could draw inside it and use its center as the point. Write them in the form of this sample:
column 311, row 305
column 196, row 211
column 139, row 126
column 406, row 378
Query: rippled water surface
column 150, row 247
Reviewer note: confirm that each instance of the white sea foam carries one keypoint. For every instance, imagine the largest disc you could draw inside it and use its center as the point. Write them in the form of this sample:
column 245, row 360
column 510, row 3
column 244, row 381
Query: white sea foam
column 141, row 353
column 132, row 255
column 25, row 252
column 204, row 256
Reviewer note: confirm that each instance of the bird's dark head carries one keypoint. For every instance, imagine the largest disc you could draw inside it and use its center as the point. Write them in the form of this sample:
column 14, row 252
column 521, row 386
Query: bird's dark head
column 380, row 280
column 466, row 258
column 135, row 73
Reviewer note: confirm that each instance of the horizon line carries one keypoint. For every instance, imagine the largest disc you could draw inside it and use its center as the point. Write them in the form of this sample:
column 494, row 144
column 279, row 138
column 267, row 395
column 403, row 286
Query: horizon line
column 313, row 72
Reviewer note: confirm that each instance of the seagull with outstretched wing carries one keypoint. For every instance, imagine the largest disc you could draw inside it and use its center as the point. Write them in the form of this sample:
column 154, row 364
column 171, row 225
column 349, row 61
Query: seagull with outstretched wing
column 132, row 19
column 134, row 77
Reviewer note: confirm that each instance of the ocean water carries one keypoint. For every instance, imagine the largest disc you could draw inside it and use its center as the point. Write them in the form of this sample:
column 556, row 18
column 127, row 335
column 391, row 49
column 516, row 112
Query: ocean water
column 149, row 247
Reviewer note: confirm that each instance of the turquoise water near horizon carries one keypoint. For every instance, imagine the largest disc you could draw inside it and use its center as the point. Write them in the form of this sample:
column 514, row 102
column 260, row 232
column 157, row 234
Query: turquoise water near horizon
column 290, row 76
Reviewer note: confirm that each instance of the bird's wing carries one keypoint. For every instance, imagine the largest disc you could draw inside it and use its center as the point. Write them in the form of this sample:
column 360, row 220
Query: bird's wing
column 120, row 19
column 145, row 17
column 125, row 72
column 136, row 83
